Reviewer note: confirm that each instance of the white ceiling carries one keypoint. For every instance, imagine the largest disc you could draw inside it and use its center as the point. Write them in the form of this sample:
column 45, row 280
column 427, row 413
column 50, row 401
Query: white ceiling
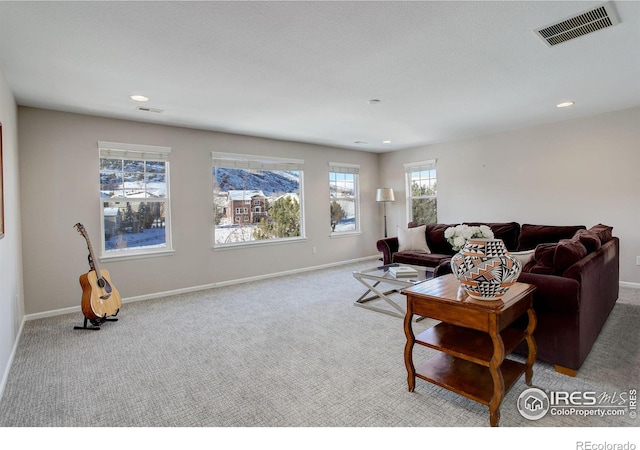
column 305, row 71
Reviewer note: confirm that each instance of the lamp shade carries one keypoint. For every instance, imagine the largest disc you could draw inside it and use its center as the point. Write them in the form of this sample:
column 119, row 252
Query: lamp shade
column 385, row 195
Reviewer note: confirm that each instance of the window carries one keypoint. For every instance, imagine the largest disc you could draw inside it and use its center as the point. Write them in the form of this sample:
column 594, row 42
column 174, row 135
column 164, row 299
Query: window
column 134, row 198
column 257, row 199
column 422, row 192
column 343, row 198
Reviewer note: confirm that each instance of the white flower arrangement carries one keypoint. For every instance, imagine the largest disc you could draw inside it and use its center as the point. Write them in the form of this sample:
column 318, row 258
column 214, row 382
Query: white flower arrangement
column 457, row 236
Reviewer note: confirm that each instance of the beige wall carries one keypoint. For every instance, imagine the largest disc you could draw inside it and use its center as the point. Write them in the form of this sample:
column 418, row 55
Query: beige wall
column 582, row 171
column 11, row 298
column 574, row 172
column 59, row 187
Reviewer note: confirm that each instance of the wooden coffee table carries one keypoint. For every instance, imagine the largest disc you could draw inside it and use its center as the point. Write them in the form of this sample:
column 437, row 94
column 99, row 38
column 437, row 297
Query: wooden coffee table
column 474, row 337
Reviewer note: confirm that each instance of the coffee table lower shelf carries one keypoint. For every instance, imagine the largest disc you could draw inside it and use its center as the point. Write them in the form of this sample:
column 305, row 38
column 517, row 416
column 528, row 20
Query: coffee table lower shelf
column 468, row 379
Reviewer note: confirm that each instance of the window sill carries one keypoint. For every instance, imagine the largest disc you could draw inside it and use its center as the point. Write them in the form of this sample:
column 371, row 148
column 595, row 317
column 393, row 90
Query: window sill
column 239, row 245
column 345, row 234
column 125, row 257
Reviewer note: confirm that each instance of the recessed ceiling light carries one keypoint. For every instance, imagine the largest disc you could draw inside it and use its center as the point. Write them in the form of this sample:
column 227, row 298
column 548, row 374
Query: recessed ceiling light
column 139, row 98
column 386, row 142
column 564, row 104
column 374, row 101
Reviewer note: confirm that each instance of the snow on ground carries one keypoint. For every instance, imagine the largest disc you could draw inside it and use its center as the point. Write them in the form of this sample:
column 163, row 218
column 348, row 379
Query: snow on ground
column 151, row 237
column 228, row 234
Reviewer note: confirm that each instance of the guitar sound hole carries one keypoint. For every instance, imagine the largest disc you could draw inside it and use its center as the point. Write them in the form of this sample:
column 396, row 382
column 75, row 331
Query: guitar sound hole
column 101, row 283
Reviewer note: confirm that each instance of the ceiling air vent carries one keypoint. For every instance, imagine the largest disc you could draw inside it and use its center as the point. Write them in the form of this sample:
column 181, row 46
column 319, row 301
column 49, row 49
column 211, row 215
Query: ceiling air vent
column 144, row 108
column 595, row 19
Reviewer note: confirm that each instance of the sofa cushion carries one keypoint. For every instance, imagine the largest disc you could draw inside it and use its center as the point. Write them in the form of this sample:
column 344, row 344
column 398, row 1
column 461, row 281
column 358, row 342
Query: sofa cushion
column 532, row 235
column 589, row 239
column 554, row 259
column 568, row 252
column 604, row 232
column 507, row 231
column 524, row 257
column 542, row 260
column 413, row 240
column 419, row 259
column 435, row 237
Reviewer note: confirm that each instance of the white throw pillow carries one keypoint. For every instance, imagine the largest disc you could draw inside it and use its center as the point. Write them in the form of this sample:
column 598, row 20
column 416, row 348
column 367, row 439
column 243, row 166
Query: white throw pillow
column 413, row 240
column 523, row 257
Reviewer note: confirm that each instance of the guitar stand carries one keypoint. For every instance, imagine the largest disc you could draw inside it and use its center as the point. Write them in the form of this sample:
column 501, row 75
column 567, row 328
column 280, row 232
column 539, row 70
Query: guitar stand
column 96, row 323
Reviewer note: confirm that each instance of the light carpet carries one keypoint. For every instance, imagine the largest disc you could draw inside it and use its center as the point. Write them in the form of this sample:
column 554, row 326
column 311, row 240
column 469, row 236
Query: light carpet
column 291, row 351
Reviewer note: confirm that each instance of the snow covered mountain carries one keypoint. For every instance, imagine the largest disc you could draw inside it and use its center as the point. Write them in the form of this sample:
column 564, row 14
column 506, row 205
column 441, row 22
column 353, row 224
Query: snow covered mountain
column 271, row 182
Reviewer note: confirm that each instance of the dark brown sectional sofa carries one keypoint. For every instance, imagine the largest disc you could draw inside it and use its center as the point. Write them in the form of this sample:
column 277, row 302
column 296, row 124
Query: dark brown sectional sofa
column 575, row 271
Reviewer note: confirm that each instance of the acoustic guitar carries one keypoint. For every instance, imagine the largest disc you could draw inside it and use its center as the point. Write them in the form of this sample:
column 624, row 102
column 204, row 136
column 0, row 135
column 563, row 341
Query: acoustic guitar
column 100, row 298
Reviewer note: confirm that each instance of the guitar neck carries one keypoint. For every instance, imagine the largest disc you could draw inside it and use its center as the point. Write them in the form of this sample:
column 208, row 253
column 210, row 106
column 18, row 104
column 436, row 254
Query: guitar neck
column 94, row 261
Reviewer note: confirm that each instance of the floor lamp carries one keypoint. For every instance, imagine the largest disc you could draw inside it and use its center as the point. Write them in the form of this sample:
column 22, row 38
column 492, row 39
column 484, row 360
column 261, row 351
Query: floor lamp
column 385, row 195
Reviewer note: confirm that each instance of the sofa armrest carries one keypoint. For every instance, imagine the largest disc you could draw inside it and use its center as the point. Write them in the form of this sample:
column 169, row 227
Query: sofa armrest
column 443, row 268
column 599, row 277
column 553, row 292
column 388, row 246
column 599, row 272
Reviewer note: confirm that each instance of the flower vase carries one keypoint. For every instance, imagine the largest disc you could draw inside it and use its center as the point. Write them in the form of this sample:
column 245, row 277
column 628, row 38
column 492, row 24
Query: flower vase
column 485, row 268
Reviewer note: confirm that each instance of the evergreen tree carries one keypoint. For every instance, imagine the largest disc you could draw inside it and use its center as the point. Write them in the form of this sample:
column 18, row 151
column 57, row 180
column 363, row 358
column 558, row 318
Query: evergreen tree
column 283, row 222
column 144, row 216
column 264, row 230
column 129, row 218
column 337, row 214
column 424, row 210
column 157, row 212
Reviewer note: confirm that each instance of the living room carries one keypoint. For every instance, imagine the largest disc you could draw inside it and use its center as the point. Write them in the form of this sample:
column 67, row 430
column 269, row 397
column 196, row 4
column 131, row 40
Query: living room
column 571, row 169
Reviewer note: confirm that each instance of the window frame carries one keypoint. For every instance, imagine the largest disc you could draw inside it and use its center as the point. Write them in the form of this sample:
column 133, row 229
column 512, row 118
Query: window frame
column 259, row 163
column 136, row 152
column 411, row 168
column 353, row 169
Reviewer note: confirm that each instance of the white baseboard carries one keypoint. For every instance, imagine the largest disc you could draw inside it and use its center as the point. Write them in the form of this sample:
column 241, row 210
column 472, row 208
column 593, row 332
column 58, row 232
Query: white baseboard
column 5, row 375
column 53, row 312
column 138, row 298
